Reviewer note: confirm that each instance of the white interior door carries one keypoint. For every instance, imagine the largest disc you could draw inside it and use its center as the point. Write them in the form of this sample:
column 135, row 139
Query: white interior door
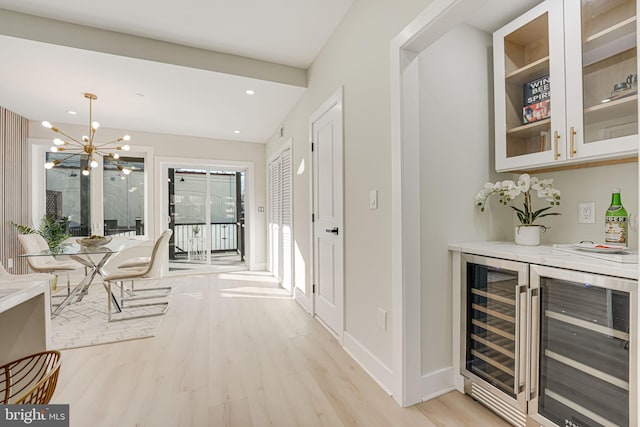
column 326, row 131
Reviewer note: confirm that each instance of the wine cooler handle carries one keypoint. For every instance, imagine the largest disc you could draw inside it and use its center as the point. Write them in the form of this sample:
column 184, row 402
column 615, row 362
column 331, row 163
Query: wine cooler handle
column 520, row 368
column 533, row 336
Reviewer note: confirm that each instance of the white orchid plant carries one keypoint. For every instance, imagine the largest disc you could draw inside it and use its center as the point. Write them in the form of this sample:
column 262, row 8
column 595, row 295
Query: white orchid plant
column 525, row 185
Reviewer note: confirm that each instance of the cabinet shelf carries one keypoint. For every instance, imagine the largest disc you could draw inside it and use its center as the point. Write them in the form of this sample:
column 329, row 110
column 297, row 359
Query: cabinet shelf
column 589, row 370
column 496, row 377
column 610, row 41
column 528, row 72
column 587, row 325
column 530, row 129
column 576, row 407
column 497, row 345
column 495, row 359
column 495, row 313
column 497, row 327
column 496, row 295
column 611, row 110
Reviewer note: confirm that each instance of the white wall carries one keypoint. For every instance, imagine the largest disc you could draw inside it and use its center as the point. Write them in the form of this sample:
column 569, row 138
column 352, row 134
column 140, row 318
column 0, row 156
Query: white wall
column 456, row 100
column 187, row 147
column 356, row 57
column 591, row 185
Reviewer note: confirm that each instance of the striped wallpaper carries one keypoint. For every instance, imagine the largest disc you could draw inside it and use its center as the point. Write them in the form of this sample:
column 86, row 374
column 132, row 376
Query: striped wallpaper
column 14, row 185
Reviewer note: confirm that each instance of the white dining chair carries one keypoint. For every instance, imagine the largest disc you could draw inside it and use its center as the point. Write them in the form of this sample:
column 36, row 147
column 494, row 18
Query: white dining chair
column 151, row 270
column 5, row 276
column 35, row 243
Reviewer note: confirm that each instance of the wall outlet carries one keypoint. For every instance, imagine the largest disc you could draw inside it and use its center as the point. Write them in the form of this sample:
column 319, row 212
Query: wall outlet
column 382, row 319
column 10, row 263
column 587, row 213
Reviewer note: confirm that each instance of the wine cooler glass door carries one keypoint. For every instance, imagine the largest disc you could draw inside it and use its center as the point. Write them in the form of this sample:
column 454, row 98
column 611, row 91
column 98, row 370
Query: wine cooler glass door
column 584, row 355
column 495, row 325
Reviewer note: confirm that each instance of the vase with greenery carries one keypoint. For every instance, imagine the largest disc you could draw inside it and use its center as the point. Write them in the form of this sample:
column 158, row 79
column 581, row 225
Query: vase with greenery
column 52, row 229
column 526, row 186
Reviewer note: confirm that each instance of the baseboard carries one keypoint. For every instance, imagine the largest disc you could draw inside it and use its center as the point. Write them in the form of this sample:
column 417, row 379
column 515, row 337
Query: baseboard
column 260, row 266
column 303, row 300
column 369, row 362
column 437, row 383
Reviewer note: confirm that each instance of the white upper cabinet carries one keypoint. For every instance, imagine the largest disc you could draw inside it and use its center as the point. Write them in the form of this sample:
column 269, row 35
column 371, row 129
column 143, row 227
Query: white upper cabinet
column 566, row 84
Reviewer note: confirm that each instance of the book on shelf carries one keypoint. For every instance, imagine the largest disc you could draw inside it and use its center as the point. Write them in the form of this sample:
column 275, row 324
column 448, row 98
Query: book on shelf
column 537, row 90
column 537, row 100
column 534, row 112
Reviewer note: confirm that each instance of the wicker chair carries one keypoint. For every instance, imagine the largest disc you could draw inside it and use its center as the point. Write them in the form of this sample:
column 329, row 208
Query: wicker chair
column 30, row 380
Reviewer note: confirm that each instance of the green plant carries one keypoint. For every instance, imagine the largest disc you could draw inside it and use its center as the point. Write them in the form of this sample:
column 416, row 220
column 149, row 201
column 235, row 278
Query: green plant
column 196, row 229
column 52, row 229
column 509, row 190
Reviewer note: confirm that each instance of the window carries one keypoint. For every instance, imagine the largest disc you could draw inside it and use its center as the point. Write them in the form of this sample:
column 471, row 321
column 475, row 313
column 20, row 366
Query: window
column 67, row 192
column 105, row 202
column 123, row 198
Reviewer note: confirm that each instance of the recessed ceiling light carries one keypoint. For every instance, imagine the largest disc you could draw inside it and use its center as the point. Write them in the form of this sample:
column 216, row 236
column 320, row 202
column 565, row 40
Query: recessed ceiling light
column 250, row 92
column 73, row 113
column 141, row 95
column 236, row 131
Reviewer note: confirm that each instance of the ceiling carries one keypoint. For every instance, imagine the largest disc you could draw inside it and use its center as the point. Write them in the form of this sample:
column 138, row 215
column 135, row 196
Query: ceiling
column 44, row 78
column 42, row 81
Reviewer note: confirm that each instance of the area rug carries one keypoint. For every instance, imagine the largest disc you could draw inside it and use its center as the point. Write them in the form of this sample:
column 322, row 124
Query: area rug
column 84, row 323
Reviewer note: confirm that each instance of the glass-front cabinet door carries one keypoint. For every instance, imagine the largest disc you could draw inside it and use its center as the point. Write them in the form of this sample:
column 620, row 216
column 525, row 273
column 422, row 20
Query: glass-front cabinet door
column 583, row 358
column 529, row 88
column 565, row 82
column 602, row 77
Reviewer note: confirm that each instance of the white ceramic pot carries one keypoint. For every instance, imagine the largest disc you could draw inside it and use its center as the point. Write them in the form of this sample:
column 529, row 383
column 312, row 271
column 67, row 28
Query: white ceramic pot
column 528, row 235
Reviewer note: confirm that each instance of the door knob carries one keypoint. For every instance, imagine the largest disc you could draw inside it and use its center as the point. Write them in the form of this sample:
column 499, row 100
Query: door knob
column 333, row 230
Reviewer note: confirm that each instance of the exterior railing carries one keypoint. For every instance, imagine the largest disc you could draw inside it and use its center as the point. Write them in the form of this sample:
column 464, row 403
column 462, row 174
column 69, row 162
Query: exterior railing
column 192, row 237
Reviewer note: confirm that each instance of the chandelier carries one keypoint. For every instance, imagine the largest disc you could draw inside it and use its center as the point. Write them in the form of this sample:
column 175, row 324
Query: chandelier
column 87, row 146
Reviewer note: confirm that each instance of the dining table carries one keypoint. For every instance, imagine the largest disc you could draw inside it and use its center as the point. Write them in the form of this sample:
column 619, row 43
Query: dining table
column 94, row 259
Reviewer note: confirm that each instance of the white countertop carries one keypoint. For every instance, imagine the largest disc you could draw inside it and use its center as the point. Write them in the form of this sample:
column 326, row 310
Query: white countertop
column 547, row 255
column 14, row 292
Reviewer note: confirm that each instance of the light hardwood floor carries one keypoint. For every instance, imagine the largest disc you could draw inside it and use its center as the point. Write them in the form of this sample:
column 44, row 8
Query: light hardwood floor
column 235, row 351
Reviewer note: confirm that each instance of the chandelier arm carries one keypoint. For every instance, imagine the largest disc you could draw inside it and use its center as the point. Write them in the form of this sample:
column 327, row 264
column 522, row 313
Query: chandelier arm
column 110, row 160
column 107, row 143
column 68, row 157
column 70, row 137
column 78, row 144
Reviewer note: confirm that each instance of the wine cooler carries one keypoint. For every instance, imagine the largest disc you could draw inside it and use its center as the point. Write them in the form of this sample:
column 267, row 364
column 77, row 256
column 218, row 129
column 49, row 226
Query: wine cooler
column 582, row 355
column 544, row 346
column 494, row 323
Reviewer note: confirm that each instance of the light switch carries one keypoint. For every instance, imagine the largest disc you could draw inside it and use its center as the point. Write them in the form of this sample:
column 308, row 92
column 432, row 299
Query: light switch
column 373, row 199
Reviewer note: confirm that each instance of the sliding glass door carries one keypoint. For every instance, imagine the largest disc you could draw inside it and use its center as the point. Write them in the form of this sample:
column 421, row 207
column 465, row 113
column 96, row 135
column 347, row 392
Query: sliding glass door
column 206, row 213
